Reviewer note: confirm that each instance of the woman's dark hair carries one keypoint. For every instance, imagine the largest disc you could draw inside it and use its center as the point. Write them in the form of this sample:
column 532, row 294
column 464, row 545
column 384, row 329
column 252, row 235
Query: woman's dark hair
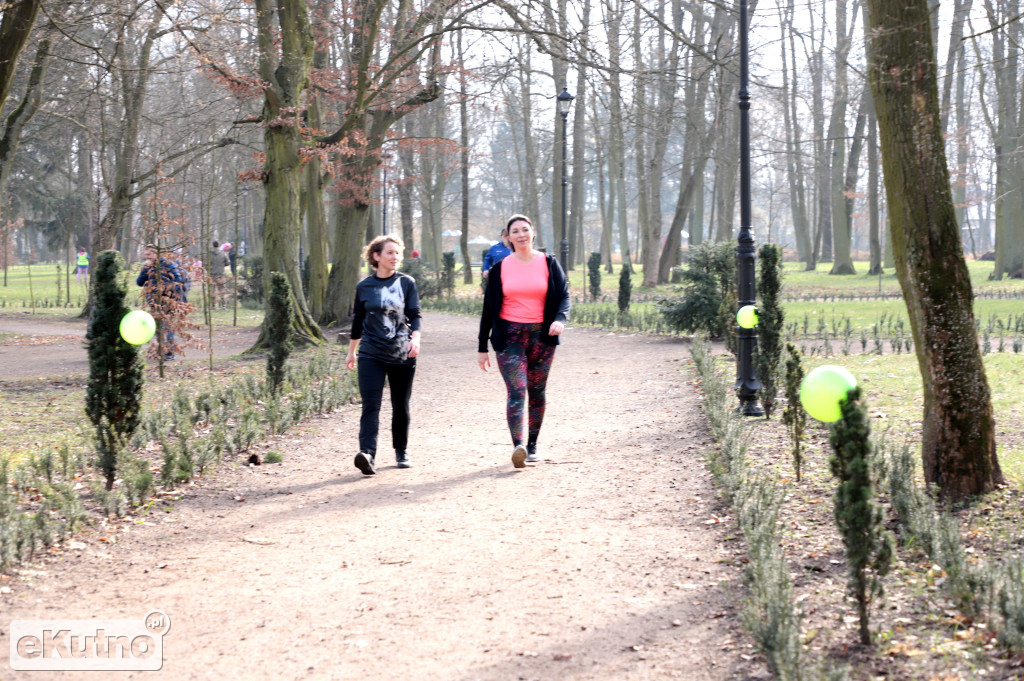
column 377, row 246
column 516, row 218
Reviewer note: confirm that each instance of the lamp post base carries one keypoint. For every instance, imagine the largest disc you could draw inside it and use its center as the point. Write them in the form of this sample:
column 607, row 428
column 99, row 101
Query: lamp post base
column 749, row 407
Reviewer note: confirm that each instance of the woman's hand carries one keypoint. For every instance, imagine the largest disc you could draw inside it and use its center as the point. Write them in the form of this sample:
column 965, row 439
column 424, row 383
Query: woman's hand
column 414, row 345
column 350, row 361
column 484, row 360
column 556, row 329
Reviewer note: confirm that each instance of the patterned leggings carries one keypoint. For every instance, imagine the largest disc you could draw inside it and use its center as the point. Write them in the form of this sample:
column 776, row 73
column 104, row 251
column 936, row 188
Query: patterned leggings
column 524, row 364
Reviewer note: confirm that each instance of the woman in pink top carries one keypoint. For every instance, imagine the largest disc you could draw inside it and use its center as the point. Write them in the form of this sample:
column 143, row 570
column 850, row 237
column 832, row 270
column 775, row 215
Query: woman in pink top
column 526, row 305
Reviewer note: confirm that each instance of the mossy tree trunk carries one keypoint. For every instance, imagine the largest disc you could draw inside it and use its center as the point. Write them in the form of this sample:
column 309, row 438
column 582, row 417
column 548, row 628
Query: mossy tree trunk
column 284, row 64
column 958, row 431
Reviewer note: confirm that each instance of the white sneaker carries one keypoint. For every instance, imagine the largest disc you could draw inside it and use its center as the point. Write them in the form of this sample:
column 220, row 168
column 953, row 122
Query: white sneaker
column 519, row 456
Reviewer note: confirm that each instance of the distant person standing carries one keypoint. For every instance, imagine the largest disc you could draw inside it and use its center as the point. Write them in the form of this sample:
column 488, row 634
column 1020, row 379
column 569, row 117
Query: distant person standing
column 162, row 294
column 231, row 257
column 496, row 253
column 83, row 265
column 386, row 332
column 219, row 263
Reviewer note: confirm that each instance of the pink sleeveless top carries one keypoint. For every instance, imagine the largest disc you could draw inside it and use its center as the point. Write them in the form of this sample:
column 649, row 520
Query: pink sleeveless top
column 524, row 287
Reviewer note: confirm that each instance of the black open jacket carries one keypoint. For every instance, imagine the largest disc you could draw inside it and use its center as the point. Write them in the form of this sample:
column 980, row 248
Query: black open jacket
column 556, row 306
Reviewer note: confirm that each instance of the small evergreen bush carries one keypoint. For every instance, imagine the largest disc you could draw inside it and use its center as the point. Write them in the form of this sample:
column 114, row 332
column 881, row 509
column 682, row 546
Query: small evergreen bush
column 793, row 415
column 859, row 519
column 427, row 284
column 448, row 272
column 279, row 322
column 771, row 321
column 625, row 288
column 594, row 275
column 708, row 295
column 116, row 372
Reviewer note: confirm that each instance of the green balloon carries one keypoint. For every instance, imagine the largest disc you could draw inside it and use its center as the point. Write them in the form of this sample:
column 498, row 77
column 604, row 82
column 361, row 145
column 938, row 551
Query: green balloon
column 747, row 317
column 823, row 389
column 137, row 327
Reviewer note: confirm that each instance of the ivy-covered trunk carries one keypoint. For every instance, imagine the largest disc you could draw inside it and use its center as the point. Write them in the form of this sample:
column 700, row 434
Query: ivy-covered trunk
column 958, row 429
column 285, row 60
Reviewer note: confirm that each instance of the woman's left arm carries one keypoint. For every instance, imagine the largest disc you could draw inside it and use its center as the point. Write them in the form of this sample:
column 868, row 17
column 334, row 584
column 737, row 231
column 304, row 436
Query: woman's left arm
column 558, row 280
column 414, row 315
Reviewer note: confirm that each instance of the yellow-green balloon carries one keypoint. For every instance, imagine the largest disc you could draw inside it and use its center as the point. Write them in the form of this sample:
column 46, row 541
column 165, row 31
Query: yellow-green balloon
column 823, row 389
column 746, row 317
column 137, row 327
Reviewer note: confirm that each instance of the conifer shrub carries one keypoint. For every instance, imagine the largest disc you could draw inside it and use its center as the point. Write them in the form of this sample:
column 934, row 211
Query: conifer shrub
column 859, row 519
column 427, row 284
column 279, row 322
column 116, row 372
column 708, row 293
column 771, row 321
column 793, row 415
column 594, row 275
column 448, row 272
column 625, row 288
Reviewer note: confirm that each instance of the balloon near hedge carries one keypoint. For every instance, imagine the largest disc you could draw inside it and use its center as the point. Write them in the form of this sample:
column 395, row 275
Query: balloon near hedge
column 138, row 327
column 822, row 391
column 746, row 317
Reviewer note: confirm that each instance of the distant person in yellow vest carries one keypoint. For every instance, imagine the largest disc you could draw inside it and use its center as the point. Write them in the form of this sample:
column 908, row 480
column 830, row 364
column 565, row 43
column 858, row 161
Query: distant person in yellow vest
column 83, row 265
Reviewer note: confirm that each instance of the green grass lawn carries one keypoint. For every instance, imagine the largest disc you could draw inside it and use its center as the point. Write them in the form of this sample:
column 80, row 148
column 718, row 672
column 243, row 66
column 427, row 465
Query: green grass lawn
column 892, row 393
column 38, row 283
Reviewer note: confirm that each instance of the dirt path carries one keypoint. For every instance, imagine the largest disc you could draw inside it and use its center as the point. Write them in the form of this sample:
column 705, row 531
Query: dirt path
column 605, row 561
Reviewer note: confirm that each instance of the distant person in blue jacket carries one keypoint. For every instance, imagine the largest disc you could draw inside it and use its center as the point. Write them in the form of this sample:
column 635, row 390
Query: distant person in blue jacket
column 162, row 295
column 496, row 253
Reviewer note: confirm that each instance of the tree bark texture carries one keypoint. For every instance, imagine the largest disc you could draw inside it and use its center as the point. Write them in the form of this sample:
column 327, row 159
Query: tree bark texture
column 287, row 77
column 842, row 262
column 958, row 428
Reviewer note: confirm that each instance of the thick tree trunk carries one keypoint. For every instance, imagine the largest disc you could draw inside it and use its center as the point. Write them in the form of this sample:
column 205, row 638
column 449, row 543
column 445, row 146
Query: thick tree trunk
column 874, row 231
column 958, row 429
column 16, row 22
column 794, row 149
column 577, row 236
column 616, row 140
column 467, row 259
column 1009, row 146
column 282, row 224
column 842, row 262
column 346, row 267
column 313, row 183
column 287, row 77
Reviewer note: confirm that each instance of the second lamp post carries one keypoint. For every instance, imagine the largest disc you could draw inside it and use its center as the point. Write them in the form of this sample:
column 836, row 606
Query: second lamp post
column 564, row 104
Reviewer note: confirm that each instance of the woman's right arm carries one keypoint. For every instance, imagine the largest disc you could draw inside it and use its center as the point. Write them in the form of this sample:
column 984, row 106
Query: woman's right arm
column 356, row 334
column 350, row 361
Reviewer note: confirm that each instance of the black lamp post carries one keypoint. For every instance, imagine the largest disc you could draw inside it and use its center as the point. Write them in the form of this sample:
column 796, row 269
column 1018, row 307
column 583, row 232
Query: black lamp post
column 747, row 384
column 564, row 104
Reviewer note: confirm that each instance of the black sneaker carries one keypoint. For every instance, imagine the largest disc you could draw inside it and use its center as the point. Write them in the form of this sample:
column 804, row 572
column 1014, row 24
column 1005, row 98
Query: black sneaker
column 364, row 462
column 531, row 454
column 402, row 459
